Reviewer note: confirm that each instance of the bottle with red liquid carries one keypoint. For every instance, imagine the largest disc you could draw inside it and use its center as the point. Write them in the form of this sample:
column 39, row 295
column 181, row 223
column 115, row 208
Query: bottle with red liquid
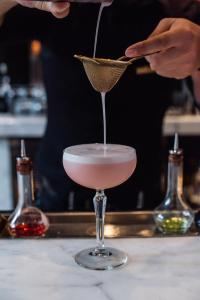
column 26, row 220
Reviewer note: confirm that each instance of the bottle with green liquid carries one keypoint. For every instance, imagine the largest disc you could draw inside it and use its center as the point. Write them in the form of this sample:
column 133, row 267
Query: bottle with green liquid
column 173, row 215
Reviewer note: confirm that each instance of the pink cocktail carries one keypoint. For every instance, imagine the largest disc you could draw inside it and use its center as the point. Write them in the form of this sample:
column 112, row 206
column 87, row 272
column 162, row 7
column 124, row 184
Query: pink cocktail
column 97, row 167
column 100, row 167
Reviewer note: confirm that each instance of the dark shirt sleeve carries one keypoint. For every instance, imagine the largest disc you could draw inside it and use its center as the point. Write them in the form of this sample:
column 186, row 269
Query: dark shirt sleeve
column 184, row 9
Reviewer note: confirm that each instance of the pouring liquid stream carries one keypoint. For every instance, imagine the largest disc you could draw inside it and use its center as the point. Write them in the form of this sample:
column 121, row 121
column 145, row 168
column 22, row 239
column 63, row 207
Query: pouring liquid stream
column 103, row 98
column 103, row 94
column 97, row 28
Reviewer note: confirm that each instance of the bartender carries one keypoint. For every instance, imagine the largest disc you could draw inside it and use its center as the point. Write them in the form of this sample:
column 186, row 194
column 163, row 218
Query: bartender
column 135, row 107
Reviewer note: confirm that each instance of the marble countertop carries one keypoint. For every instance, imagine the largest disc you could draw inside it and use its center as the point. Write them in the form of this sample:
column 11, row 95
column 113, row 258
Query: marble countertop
column 158, row 269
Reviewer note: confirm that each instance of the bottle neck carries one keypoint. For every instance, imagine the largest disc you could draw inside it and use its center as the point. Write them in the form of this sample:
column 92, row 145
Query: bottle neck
column 175, row 178
column 25, row 189
column 24, row 182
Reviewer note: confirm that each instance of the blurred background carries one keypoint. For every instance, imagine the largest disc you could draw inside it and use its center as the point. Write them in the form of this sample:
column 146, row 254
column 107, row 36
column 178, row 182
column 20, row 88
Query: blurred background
column 23, row 106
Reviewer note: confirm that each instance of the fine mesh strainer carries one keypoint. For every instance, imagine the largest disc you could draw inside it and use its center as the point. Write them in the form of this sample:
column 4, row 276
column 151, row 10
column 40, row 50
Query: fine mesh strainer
column 103, row 73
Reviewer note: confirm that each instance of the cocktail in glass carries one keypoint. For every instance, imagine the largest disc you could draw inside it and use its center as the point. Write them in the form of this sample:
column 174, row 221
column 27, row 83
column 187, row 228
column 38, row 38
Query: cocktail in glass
column 100, row 167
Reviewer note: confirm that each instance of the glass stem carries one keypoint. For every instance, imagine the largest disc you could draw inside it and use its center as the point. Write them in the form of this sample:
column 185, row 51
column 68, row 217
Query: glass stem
column 100, row 207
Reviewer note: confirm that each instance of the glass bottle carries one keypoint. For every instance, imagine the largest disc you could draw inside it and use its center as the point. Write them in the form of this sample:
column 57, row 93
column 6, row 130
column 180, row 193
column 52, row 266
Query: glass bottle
column 173, row 215
column 26, row 220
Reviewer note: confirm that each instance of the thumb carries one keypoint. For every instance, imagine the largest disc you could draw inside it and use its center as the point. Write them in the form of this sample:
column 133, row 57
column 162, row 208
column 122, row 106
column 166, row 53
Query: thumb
column 58, row 9
column 42, row 5
column 153, row 44
column 157, row 41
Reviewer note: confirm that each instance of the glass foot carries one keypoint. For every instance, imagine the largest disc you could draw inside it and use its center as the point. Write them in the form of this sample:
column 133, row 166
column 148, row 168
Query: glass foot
column 101, row 259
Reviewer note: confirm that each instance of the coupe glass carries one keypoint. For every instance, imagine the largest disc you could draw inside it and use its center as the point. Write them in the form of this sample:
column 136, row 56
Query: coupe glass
column 100, row 167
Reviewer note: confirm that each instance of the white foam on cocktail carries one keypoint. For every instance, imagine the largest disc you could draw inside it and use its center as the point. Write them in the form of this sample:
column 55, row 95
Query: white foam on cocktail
column 98, row 153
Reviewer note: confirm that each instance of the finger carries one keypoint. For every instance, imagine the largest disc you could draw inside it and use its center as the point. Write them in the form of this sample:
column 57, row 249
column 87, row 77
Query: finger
column 180, row 62
column 60, row 6
column 60, row 10
column 196, row 74
column 61, row 15
column 57, row 9
column 153, row 44
column 26, row 3
column 42, row 5
column 172, row 72
column 164, row 25
column 166, row 57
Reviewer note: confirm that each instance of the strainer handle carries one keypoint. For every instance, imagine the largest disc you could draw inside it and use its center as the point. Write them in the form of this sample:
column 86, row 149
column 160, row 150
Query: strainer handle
column 136, row 57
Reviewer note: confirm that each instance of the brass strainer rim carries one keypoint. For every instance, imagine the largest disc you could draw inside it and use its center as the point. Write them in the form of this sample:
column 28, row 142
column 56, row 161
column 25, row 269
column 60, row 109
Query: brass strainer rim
column 104, row 61
column 103, row 73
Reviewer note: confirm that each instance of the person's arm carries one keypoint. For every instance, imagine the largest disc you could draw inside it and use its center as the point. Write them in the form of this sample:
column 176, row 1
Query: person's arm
column 59, row 10
column 177, row 42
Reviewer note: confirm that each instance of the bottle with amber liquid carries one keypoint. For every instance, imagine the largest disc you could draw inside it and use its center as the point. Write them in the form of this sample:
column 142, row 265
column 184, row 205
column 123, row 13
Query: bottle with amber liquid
column 26, row 220
column 173, row 215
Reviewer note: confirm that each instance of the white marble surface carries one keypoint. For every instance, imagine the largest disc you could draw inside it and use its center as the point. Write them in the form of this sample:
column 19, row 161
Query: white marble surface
column 158, row 269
